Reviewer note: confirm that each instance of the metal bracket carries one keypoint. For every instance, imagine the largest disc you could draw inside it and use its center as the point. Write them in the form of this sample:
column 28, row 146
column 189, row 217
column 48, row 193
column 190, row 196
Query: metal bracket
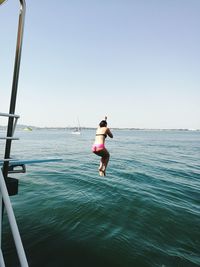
column 18, row 168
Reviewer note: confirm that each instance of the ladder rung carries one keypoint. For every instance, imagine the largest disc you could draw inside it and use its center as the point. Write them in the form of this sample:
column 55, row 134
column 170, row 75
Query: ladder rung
column 9, row 115
column 9, row 159
column 9, row 138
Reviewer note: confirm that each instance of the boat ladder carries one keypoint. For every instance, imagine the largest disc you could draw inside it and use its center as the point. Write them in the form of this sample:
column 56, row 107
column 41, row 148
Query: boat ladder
column 8, row 187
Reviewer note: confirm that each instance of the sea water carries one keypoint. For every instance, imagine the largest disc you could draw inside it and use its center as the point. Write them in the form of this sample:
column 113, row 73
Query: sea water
column 144, row 213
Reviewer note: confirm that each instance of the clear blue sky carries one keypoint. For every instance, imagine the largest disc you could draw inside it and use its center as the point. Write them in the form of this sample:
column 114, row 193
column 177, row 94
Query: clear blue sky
column 136, row 61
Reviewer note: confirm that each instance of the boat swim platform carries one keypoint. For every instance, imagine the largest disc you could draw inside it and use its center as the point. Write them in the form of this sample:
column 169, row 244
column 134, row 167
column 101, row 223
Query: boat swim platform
column 18, row 166
column 29, row 161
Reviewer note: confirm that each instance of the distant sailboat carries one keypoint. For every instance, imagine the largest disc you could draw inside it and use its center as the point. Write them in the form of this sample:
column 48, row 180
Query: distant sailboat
column 77, row 130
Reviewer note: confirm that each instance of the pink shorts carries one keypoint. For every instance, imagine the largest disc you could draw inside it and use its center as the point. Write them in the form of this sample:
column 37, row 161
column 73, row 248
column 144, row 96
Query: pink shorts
column 97, row 147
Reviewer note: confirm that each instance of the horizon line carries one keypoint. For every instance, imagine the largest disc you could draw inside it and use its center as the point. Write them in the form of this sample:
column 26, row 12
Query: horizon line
column 20, row 126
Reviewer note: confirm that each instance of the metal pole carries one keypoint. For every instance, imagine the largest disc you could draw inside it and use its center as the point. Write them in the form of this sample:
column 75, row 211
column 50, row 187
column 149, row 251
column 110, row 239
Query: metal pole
column 1, row 205
column 15, row 83
column 13, row 224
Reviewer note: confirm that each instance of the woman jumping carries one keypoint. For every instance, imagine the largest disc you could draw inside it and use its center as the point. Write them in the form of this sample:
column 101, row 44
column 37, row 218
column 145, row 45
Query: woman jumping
column 98, row 147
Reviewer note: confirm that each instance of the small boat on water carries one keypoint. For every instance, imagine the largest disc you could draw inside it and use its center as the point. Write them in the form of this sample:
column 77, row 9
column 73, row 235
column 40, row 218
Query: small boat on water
column 77, row 130
column 28, row 129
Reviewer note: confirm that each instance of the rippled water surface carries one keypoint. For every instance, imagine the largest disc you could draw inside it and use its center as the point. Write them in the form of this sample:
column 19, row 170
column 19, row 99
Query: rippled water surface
column 145, row 212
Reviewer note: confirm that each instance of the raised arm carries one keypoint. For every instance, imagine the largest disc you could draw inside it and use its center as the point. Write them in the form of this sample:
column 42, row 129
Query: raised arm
column 109, row 133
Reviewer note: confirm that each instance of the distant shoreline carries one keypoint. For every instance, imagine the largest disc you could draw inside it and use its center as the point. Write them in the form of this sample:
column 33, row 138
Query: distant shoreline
column 23, row 127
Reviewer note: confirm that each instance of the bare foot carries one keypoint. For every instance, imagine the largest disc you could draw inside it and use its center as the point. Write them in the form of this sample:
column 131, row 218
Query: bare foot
column 101, row 173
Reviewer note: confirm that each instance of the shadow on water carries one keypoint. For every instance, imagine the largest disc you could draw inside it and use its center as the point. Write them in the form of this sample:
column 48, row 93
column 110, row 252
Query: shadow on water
column 60, row 251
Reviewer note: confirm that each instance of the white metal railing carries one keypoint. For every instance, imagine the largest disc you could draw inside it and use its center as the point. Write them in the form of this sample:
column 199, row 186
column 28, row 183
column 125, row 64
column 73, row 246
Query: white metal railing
column 13, row 224
column 16, row 117
column 9, row 115
column 5, row 201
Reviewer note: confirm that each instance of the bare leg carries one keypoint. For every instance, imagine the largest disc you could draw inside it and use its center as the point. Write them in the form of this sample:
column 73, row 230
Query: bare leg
column 101, row 168
column 104, row 154
column 104, row 162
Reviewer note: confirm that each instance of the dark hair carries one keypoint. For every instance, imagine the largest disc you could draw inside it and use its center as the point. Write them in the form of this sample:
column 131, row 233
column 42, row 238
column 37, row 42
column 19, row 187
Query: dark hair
column 103, row 123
